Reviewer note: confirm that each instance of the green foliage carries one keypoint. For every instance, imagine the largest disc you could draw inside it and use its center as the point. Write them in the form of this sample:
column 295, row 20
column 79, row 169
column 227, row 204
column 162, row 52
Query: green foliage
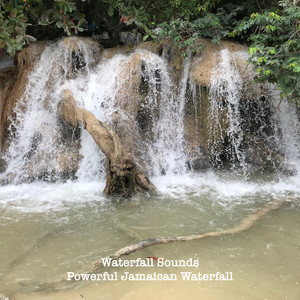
column 190, row 9
column 13, row 23
column 64, row 15
column 271, row 27
column 214, row 26
column 16, row 17
column 184, row 21
column 148, row 15
column 275, row 46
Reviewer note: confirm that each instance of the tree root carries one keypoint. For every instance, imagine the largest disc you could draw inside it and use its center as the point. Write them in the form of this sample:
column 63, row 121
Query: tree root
column 124, row 176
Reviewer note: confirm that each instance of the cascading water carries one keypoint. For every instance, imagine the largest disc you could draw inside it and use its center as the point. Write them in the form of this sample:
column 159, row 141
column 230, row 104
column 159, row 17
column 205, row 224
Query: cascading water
column 170, row 143
column 95, row 91
column 62, row 226
column 138, row 90
column 225, row 94
column 102, row 92
column 37, row 147
column 287, row 129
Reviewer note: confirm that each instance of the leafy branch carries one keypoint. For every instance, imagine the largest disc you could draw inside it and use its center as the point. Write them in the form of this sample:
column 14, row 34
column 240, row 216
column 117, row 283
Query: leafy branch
column 275, row 46
column 15, row 16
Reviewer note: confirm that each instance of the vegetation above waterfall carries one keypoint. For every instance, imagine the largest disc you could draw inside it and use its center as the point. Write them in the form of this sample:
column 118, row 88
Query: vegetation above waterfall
column 272, row 28
column 275, row 46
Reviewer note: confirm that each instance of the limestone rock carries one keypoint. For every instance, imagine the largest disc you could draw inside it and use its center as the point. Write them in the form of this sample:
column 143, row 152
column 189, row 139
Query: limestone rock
column 74, row 43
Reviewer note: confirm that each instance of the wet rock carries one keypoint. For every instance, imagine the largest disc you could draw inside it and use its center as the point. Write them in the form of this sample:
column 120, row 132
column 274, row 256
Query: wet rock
column 262, row 156
column 73, row 44
column 2, row 165
column 168, row 51
column 200, row 163
column 200, row 129
column 6, row 62
column 203, row 64
column 130, row 38
column 84, row 54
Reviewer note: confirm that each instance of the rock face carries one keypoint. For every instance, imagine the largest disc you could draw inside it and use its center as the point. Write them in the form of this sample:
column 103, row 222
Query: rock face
column 204, row 107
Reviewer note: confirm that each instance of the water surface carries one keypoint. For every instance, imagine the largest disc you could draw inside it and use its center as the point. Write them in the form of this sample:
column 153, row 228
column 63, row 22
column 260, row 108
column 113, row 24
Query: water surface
column 47, row 230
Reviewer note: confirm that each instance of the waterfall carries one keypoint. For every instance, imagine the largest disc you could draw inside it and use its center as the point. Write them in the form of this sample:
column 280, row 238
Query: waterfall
column 38, row 148
column 137, row 96
column 103, row 92
column 169, row 141
column 96, row 91
column 225, row 95
column 287, row 128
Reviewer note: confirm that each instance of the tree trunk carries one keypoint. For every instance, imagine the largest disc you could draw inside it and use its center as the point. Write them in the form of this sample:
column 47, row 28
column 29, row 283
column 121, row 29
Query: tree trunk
column 124, row 176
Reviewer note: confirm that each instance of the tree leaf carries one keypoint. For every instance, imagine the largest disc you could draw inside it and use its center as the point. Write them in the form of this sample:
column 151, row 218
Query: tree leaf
column 110, row 11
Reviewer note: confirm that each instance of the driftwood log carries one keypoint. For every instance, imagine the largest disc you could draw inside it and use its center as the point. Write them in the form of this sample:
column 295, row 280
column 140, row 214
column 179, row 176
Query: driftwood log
column 96, row 266
column 124, row 176
column 245, row 224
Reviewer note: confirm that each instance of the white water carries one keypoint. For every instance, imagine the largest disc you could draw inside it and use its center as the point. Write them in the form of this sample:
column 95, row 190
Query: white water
column 101, row 93
column 110, row 90
column 100, row 90
column 47, row 229
column 37, row 141
column 225, row 91
column 44, row 197
column 289, row 130
column 169, row 143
